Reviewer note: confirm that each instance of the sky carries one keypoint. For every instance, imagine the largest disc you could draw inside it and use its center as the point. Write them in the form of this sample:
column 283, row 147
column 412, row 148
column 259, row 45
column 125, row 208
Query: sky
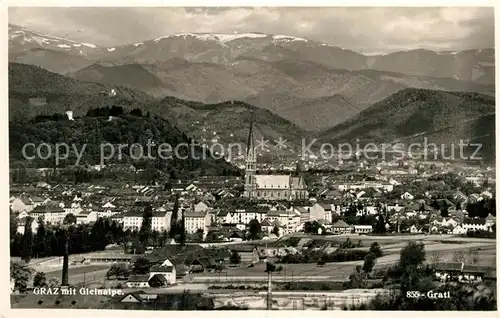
column 365, row 30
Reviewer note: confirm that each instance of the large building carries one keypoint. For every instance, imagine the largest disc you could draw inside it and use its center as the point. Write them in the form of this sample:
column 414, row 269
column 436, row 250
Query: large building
column 269, row 186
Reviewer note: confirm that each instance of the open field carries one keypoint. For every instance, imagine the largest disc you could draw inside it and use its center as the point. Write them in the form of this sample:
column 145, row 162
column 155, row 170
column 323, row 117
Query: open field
column 80, row 274
column 444, row 245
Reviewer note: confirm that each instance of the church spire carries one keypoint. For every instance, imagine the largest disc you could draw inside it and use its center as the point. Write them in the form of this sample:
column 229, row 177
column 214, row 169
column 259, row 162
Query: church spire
column 250, row 164
column 250, row 143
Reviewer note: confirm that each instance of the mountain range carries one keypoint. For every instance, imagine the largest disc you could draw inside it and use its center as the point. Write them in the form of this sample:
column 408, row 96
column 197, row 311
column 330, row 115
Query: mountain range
column 212, row 85
column 410, row 115
column 315, row 86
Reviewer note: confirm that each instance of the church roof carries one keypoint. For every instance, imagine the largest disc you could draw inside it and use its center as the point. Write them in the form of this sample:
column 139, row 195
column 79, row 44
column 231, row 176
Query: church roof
column 270, row 181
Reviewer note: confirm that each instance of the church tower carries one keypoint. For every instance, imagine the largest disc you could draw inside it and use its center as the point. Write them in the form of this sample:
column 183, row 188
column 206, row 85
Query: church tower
column 250, row 165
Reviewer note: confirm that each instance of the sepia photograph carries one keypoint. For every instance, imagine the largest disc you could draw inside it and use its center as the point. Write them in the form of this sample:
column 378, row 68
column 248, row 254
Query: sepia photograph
column 252, row 158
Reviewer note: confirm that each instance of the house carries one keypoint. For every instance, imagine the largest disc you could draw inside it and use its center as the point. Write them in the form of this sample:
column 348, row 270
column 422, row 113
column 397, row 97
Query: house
column 21, row 204
column 459, row 230
column 86, row 217
column 201, row 207
column 236, row 237
column 486, row 194
column 340, row 227
column 266, row 226
column 459, row 196
column 197, row 220
column 138, row 297
column 248, row 253
column 51, row 214
column 317, row 212
column 287, row 219
column 243, row 215
column 160, row 220
column 407, row 196
column 168, row 272
column 134, row 297
column 304, row 213
column 490, row 220
column 138, row 281
column 414, row 229
column 330, row 194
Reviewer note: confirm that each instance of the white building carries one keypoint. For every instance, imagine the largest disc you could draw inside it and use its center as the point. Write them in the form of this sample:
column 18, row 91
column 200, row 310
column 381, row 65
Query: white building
column 242, row 216
column 160, row 221
column 361, row 229
column 166, row 269
column 196, row 220
column 51, row 214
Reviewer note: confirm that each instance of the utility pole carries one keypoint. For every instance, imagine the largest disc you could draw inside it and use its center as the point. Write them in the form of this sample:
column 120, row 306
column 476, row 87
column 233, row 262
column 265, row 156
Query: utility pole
column 270, row 268
column 65, row 281
column 269, row 291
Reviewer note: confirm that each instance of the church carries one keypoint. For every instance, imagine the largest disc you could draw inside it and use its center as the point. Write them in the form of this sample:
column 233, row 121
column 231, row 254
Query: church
column 269, row 186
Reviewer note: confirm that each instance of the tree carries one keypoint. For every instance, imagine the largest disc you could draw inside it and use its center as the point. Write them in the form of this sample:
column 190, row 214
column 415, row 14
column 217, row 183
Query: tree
column 412, row 255
column 41, row 241
column 356, row 279
column 459, row 256
column 136, row 112
column 311, row 227
column 435, row 258
column 321, row 261
column 375, row 249
column 254, row 229
column 21, row 275
column 276, row 231
column 39, row 280
column 444, row 212
column 380, row 226
column 141, row 266
column 199, row 235
column 13, row 224
column 69, row 219
column 369, row 263
column 118, row 270
column 27, row 241
column 235, row 258
column 54, row 282
column 145, row 231
column 473, row 257
column 175, row 227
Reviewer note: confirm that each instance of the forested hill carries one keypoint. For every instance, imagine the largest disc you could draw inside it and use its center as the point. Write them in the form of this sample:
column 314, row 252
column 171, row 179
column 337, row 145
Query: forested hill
column 120, row 129
column 34, row 91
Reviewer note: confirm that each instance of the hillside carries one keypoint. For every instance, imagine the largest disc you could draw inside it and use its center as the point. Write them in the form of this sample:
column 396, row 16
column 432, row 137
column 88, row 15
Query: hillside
column 125, row 129
column 51, row 60
column 412, row 114
column 60, row 93
column 131, row 75
column 230, row 120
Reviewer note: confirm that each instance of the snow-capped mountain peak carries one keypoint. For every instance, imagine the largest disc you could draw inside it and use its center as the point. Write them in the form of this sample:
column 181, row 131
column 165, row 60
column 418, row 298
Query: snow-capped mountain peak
column 219, row 37
column 21, row 38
